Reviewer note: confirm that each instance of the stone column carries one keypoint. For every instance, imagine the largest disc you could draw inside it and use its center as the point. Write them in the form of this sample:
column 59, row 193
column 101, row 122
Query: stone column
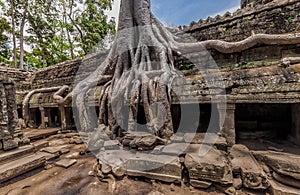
column 7, row 116
column 63, row 117
column 43, row 124
column 227, row 113
column 296, row 124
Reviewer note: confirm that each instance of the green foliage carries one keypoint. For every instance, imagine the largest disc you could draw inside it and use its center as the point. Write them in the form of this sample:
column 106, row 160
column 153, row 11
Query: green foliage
column 59, row 30
column 289, row 19
column 5, row 52
column 93, row 24
column 185, row 66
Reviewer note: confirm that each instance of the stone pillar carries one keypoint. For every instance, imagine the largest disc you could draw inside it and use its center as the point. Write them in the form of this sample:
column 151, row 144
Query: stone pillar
column 43, row 117
column 296, row 124
column 227, row 113
column 63, row 117
column 7, row 115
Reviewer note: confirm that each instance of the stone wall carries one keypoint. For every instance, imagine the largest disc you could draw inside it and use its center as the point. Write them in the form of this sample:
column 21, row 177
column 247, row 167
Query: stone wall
column 67, row 73
column 20, row 77
column 8, row 115
column 278, row 16
column 245, row 3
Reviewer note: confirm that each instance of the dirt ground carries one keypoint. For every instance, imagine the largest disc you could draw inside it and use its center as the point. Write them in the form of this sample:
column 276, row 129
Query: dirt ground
column 77, row 179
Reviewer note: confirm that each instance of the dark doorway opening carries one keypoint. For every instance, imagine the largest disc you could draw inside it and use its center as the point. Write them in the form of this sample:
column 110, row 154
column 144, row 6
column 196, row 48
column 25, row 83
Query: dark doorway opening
column 263, row 121
column 54, row 118
column 35, row 117
column 191, row 118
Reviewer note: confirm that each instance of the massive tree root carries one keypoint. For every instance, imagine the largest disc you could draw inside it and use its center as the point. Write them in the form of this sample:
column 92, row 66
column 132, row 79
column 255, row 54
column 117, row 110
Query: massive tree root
column 141, row 64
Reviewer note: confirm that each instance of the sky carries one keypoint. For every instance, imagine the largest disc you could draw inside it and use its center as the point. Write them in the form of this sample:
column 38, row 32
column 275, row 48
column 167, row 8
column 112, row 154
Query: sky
column 183, row 12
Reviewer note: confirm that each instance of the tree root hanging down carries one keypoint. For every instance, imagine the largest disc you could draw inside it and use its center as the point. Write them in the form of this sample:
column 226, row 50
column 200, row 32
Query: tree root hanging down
column 141, row 63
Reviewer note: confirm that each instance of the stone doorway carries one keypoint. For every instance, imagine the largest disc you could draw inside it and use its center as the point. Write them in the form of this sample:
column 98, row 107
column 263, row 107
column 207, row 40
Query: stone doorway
column 263, row 121
column 35, row 117
column 200, row 118
column 53, row 116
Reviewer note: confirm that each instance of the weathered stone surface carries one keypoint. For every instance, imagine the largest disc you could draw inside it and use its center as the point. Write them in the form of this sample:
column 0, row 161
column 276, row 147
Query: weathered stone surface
column 158, row 149
column 40, row 144
column 161, row 164
column 115, row 158
column 206, row 138
column 252, row 174
column 280, row 189
column 213, row 166
column 160, row 167
column 147, row 142
column 230, row 191
column 16, row 153
column 155, row 176
column 283, row 163
column 41, row 133
column 76, row 140
column 112, row 145
column 237, row 183
column 50, row 157
column 55, row 150
column 200, row 184
column 20, row 166
column 286, row 180
column 175, row 149
column 9, row 144
column 176, row 139
column 66, row 163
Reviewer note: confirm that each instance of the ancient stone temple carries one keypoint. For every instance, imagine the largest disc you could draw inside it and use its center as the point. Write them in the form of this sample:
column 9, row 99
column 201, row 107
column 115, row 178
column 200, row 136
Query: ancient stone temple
column 8, row 115
column 253, row 145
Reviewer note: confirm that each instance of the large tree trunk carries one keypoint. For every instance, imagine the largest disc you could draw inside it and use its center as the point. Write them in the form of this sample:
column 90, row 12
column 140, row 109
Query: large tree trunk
column 22, row 26
column 137, row 81
column 141, row 65
column 14, row 32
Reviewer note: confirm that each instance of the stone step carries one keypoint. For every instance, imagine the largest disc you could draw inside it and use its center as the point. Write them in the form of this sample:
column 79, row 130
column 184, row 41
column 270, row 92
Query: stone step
column 282, row 163
column 277, row 188
column 40, row 144
column 37, row 134
column 16, row 153
column 18, row 167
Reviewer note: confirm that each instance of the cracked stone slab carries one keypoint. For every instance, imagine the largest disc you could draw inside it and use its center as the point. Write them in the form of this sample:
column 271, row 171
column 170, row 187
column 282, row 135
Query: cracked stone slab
column 282, row 163
column 161, row 167
column 175, row 149
column 200, row 184
column 40, row 144
column 206, row 138
column 13, row 154
column 17, row 167
column 112, row 145
column 55, row 150
column 277, row 188
column 66, row 163
column 154, row 176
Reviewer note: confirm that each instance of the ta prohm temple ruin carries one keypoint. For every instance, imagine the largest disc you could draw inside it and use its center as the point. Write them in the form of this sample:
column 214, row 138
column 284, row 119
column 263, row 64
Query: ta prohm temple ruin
column 251, row 140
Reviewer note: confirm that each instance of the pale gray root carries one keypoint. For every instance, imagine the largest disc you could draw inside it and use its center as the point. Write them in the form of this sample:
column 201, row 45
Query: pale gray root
column 58, row 95
column 140, row 41
column 232, row 47
column 25, row 104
